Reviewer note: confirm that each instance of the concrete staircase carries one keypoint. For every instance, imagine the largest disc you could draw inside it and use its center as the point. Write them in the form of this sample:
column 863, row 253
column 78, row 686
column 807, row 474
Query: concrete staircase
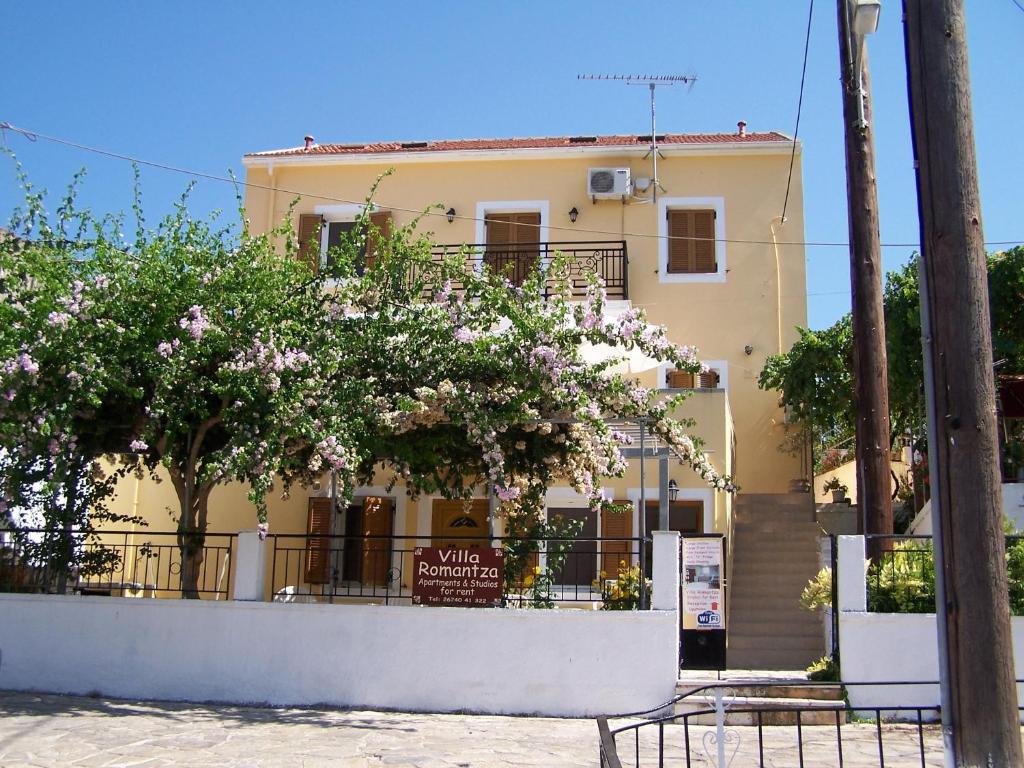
column 775, row 553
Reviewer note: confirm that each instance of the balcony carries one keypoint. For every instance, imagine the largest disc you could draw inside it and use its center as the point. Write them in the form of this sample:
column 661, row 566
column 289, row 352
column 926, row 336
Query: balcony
column 606, row 258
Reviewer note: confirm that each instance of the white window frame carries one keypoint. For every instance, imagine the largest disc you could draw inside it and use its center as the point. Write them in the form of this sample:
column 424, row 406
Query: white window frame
column 722, row 366
column 543, row 207
column 716, row 204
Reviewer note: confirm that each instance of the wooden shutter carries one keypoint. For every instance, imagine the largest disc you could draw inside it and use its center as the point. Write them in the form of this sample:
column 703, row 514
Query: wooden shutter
column 509, row 238
column 704, row 246
column 680, row 380
column 377, row 521
column 614, row 553
column 679, row 243
column 691, row 245
column 309, row 240
column 318, row 543
column 709, row 380
column 380, row 231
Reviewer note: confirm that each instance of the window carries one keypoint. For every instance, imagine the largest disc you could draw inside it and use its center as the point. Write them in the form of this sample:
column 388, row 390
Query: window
column 324, row 230
column 716, row 377
column 691, row 244
column 691, row 247
column 687, row 380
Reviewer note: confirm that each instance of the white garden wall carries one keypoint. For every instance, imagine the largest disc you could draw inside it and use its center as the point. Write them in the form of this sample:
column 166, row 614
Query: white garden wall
column 891, row 647
column 549, row 662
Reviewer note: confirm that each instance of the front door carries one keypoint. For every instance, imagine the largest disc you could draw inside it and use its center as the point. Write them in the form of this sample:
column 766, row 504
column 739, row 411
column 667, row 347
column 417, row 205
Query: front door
column 512, row 244
column 456, row 524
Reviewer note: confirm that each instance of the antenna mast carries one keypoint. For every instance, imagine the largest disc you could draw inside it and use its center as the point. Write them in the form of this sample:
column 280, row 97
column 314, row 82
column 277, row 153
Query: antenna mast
column 652, row 82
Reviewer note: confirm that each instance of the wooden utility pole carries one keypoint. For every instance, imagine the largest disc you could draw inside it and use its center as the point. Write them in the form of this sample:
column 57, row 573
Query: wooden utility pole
column 870, row 367
column 979, row 712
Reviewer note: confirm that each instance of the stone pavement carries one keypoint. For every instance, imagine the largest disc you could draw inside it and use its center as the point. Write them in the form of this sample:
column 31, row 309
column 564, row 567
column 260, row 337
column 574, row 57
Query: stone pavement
column 48, row 730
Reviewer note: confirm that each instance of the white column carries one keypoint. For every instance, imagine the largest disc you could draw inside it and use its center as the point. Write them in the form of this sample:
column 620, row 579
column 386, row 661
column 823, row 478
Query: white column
column 250, row 566
column 853, row 594
column 665, row 571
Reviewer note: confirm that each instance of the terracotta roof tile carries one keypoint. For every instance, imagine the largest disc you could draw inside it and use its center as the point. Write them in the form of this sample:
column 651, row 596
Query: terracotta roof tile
column 537, row 142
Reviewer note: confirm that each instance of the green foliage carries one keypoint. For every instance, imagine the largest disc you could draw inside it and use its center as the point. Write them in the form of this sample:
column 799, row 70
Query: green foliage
column 824, row 669
column 818, row 592
column 903, row 580
column 815, row 379
column 623, row 593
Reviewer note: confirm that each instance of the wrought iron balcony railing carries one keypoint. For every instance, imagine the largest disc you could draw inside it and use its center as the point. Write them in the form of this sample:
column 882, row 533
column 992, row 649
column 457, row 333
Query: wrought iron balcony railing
column 606, row 258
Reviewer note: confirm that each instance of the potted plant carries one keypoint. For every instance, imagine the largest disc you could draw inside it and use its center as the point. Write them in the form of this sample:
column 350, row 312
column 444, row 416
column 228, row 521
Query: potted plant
column 838, row 489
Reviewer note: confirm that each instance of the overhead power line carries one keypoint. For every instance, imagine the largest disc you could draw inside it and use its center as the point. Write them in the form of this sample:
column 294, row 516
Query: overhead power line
column 35, row 136
column 799, row 108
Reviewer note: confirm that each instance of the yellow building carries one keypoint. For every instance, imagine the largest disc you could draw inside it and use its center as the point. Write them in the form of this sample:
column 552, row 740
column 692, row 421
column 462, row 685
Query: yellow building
column 702, row 249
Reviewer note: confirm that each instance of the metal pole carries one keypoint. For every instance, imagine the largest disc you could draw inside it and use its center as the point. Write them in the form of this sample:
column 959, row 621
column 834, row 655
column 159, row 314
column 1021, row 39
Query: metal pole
column 642, row 524
column 654, row 148
column 939, row 556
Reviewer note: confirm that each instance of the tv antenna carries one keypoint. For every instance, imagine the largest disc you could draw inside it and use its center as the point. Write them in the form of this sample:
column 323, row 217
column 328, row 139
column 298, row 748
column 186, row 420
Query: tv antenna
column 652, row 82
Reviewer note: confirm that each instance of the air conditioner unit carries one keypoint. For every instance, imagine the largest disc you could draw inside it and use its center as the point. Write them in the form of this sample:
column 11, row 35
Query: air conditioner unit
column 607, row 182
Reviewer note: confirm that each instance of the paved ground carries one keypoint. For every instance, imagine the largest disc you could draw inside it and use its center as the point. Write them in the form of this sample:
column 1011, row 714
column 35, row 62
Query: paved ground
column 44, row 730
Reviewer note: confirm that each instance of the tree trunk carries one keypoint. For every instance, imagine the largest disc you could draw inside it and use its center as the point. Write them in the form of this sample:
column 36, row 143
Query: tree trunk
column 192, row 527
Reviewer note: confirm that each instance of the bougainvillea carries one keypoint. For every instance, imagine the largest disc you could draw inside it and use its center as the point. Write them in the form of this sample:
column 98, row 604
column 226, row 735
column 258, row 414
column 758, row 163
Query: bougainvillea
column 221, row 356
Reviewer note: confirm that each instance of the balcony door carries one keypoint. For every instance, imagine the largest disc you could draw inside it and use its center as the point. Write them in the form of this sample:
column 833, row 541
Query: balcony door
column 512, row 244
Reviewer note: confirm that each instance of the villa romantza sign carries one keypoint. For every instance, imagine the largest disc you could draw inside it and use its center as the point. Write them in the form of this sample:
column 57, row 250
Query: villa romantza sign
column 459, row 577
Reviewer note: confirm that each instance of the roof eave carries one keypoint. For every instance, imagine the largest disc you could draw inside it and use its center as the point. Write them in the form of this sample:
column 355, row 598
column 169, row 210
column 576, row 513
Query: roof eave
column 257, row 159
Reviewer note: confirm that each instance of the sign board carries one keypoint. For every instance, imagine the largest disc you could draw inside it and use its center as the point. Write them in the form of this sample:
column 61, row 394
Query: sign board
column 703, row 606
column 459, row 577
column 703, row 620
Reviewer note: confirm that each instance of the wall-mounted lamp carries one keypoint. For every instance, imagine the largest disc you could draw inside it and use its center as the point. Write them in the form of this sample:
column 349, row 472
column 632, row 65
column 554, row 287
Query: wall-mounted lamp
column 673, row 490
column 748, row 350
column 450, row 215
column 573, row 213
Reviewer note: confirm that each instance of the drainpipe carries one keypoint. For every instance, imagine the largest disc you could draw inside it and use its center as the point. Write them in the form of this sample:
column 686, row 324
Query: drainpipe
column 778, row 279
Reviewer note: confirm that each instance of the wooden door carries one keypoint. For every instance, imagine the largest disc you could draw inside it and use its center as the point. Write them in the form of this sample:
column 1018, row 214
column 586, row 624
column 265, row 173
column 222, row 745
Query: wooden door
column 616, row 554
column 580, row 565
column 378, row 521
column 456, row 525
column 512, row 244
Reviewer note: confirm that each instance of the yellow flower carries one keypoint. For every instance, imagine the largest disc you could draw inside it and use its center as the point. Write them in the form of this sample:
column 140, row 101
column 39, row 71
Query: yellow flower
column 528, row 581
column 537, row 570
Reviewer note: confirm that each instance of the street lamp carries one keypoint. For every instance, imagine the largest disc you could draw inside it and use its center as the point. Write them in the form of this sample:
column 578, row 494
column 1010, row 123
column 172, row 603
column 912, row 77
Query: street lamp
column 673, row 490
column 862, row 20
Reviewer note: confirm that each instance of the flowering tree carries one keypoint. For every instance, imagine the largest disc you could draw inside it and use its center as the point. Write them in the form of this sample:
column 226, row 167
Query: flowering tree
column 220, row 358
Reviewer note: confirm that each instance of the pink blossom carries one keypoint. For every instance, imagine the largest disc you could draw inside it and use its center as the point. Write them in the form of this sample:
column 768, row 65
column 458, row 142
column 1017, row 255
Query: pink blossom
column 164, row 349
column 137, row 446
column 465, row 335
column 262, row 529
column 59, row 319
column 27, row 364
column 506, row 494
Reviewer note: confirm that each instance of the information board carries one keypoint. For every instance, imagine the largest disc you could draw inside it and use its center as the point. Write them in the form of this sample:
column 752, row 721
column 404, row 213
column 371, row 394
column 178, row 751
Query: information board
column 458, row 577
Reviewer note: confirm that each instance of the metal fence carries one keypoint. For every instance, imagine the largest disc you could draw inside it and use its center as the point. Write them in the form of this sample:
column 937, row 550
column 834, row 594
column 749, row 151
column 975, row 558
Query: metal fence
column 603, row 572
column 901, row 576
column 721, row 726
column 117, row 563
column 608, row 259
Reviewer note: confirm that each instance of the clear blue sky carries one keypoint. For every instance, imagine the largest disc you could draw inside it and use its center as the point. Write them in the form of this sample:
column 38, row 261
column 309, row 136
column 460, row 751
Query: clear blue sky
column 197, row 84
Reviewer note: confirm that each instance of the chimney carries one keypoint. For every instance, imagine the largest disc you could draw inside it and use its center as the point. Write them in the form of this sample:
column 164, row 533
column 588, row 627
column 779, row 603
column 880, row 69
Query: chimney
column 309, row 142
column 742, row 126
